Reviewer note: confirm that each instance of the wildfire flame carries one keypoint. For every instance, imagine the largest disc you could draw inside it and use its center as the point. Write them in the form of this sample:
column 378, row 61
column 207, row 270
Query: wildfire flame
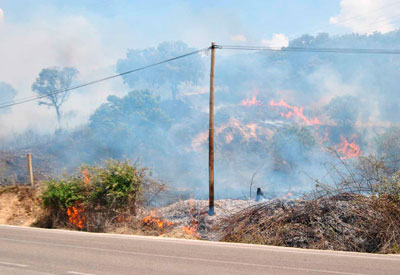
column 251, row 102
column 294, row 111
column 151, row 219
column 86, row 178
column 192, row 228
column 348, row 149
column 247, row 131
column 76, row 217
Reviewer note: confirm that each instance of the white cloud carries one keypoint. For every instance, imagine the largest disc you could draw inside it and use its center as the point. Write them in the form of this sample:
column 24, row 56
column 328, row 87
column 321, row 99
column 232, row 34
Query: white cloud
column 239, row 38
column 278, row 40
column 368, row 16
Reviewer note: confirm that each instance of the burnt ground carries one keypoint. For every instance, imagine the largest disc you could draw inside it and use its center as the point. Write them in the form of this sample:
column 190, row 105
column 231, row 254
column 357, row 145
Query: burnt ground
column 344, row 222
column 14, row 168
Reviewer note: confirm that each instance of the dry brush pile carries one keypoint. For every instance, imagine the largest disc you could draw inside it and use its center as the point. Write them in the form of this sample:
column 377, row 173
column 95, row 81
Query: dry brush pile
column 359, row 213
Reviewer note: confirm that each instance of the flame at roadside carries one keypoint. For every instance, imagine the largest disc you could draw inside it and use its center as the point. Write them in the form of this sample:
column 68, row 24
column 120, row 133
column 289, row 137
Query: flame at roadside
column 160, row 223
column 192, row 228
column 76, row 216
column 86, row 177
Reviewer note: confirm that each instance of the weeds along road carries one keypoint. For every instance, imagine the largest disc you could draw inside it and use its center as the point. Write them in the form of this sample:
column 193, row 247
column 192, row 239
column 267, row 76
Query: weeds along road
column 26, row 250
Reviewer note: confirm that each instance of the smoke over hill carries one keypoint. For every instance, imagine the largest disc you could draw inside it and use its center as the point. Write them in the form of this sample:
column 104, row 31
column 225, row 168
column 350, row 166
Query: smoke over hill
column 280, row 116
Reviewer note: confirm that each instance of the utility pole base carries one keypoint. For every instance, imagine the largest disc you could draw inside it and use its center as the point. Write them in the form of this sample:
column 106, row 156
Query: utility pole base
column 211, row 211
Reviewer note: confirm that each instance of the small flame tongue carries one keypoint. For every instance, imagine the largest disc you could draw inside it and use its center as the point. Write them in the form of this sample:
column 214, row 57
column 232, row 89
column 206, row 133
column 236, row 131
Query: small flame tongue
column 192, row 228
column 348, row 149
column 294, row 111
column 86, row 178
column 76, row 216
column 151, row 219
column 251, row 102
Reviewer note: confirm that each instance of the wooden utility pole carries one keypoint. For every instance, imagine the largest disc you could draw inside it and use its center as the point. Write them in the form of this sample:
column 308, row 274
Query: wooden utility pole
column 30, row 170
column 211, row 134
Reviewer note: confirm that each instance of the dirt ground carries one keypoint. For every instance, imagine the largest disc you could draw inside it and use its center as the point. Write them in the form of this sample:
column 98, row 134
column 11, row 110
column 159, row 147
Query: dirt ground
column 19, row 205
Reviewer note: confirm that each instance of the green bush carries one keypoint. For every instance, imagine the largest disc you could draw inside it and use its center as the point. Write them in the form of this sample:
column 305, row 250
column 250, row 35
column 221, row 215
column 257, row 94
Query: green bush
column 63, row 193
column 118, row 185
column 98, row 194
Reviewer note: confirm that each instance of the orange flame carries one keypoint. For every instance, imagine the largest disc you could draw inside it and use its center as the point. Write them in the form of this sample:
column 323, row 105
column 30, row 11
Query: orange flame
column 150, row 219
column 192, row 228
column 294, row 111
column 348, row 149
column 75, row 216
column 251, row 102
column 247, row 131
column 86, row 178
column 122, row 218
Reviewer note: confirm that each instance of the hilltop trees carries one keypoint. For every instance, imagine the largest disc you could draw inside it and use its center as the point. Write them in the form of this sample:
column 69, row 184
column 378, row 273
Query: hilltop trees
column 52, row 84
column 190, row 69
column 132, row 123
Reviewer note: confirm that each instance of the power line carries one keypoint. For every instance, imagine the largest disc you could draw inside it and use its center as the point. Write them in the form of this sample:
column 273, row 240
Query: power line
column 32, row 98
column 224, row 47
column 313, row 50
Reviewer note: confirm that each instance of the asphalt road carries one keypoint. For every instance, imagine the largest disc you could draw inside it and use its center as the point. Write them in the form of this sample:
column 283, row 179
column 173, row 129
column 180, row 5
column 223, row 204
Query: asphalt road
column 25, row 250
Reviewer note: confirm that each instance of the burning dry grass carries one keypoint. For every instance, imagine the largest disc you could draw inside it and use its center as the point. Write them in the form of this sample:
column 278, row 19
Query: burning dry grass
column 191, row 220
column 344, row 222
column 183, row 219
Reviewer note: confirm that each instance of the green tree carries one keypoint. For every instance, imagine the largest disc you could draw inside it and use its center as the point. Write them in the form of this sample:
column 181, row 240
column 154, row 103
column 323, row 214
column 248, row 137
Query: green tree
column 131, row 123
column 190, row 69
column 52, row 84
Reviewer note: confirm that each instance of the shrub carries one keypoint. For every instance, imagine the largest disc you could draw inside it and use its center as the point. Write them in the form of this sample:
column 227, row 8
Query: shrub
column 61, row 194
column 389, row 188
column 98, row 195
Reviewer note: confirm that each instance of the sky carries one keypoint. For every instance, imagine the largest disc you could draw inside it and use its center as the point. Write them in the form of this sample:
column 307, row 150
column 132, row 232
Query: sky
column 92, row 35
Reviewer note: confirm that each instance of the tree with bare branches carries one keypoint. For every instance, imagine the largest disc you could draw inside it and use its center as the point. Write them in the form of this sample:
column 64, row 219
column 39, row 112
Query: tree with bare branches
column 52, row 85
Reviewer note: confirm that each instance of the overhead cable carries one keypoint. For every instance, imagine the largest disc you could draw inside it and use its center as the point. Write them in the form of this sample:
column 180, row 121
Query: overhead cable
column 305, row 49
column 28, row 99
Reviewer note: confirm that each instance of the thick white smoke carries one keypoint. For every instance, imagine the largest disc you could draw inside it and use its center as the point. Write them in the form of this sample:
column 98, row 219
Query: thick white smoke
column 368, row 16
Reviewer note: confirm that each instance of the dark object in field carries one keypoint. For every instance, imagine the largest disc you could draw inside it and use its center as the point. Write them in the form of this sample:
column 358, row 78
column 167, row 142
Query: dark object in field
column 260, row 194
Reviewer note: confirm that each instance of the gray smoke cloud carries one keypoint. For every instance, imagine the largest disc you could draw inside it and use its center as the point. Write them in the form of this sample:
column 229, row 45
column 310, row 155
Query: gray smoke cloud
column 277, row 113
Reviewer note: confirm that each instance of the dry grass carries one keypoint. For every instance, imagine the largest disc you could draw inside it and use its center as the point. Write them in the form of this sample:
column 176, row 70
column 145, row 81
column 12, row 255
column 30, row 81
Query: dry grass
column 19, row 205
column 343, row 222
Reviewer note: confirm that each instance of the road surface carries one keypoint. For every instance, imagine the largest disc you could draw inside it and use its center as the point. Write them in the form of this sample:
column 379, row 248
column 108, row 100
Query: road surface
column 25, row 250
